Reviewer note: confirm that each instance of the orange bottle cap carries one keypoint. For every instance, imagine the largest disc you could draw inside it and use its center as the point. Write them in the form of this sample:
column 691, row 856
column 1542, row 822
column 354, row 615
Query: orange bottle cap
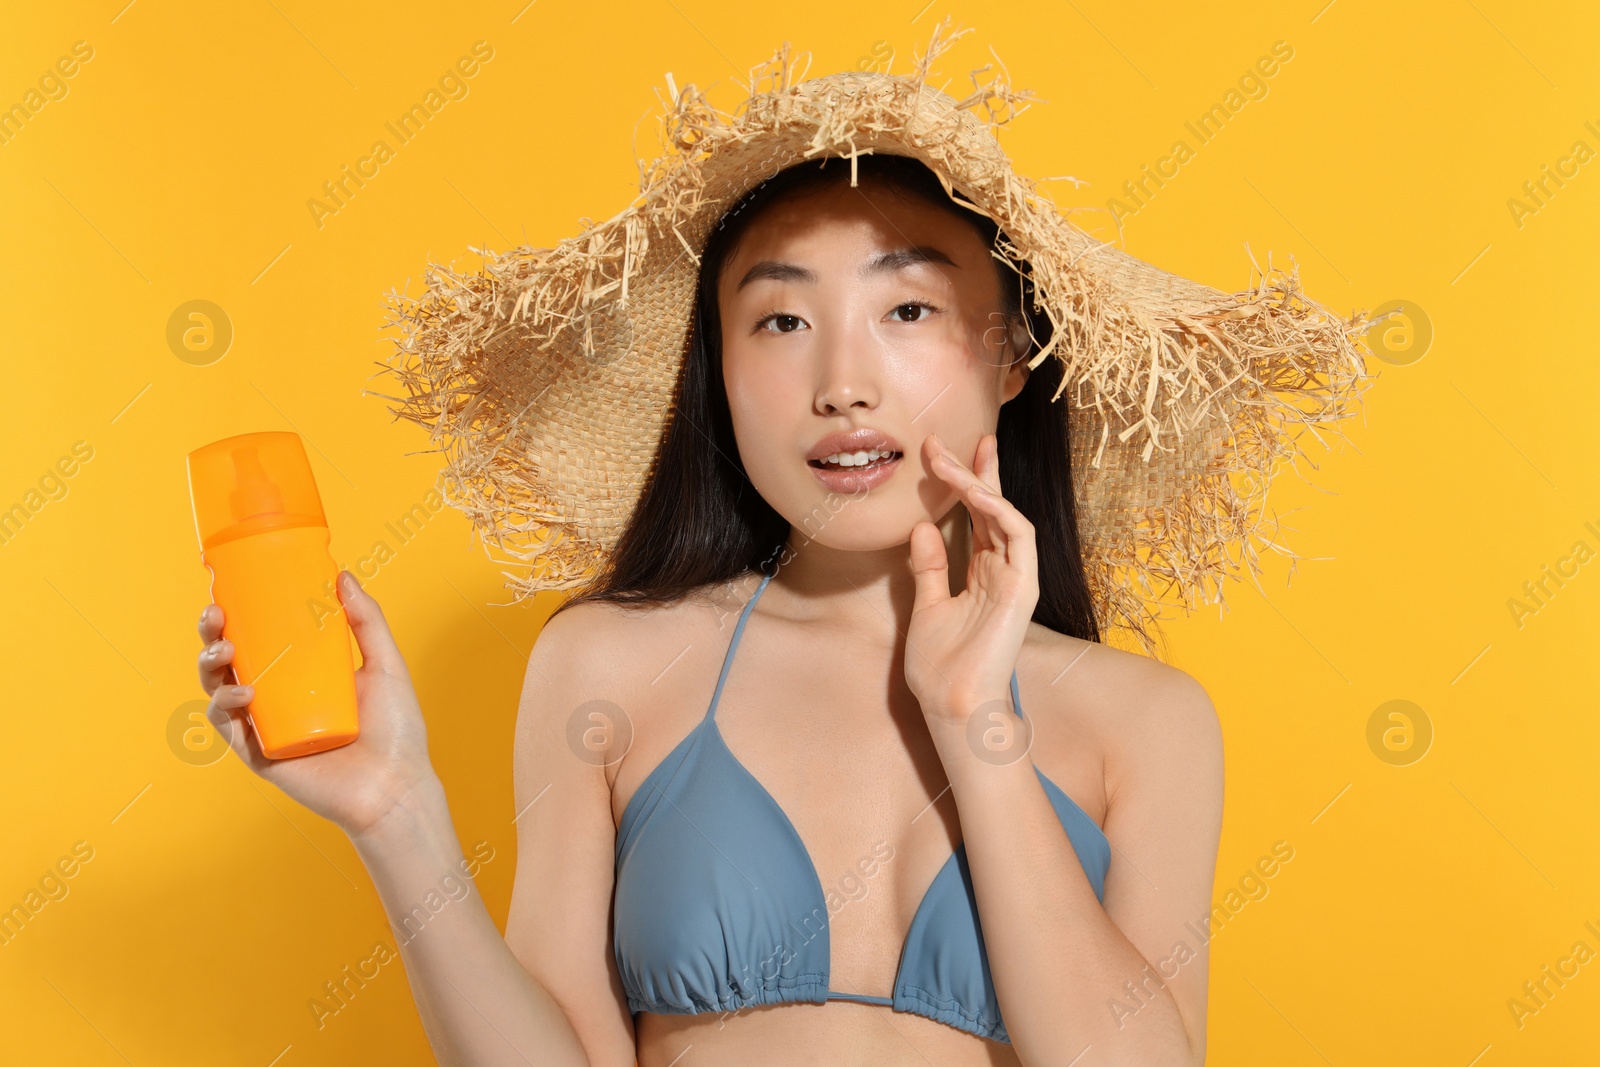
column 252, row 483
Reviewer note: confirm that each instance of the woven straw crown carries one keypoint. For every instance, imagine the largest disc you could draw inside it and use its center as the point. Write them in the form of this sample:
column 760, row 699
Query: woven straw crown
column 547, row 377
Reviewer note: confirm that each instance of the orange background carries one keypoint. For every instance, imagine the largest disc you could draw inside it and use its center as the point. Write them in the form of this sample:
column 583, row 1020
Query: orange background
column 1383, row 157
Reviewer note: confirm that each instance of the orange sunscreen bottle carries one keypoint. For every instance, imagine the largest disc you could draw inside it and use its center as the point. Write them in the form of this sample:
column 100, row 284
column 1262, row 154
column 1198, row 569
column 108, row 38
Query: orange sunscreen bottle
column 264, row 538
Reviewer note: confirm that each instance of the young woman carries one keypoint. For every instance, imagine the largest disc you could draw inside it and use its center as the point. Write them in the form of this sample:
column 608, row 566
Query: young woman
column 856, row 793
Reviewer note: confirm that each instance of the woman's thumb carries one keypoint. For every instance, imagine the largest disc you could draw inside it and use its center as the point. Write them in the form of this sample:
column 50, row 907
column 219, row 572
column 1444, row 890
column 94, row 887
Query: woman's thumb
column 370, row 627
column 930, row 565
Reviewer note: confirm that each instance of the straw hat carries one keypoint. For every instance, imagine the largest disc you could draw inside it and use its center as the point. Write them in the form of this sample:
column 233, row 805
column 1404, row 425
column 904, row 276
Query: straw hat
column 547, row 377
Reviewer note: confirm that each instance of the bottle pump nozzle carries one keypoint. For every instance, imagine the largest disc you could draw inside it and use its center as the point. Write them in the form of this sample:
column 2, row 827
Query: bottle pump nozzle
column 254, row 492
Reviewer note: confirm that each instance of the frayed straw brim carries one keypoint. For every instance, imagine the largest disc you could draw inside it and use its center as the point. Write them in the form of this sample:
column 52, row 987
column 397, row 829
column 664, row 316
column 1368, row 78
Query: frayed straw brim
column 546, row 378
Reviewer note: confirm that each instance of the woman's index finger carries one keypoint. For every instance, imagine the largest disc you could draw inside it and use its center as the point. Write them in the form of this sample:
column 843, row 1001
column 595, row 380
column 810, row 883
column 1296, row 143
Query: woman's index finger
column 210, row 623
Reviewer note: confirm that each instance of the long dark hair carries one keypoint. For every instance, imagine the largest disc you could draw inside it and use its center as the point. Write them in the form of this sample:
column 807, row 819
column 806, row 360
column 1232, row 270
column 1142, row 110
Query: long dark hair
column 700, row 520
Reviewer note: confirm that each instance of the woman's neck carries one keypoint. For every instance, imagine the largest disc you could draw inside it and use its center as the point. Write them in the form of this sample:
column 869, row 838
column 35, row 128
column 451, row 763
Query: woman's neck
column 862, row 595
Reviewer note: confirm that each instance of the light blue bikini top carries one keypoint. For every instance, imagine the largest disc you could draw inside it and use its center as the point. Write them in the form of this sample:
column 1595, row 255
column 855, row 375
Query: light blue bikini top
column 718, row 905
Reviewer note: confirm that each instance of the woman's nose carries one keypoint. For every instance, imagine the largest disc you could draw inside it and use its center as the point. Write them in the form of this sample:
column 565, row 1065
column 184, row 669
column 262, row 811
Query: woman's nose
column 851, row 371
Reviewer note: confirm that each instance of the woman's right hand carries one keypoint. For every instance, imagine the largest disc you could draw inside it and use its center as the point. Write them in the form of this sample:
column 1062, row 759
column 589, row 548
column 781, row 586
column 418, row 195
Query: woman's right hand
column 354, row 785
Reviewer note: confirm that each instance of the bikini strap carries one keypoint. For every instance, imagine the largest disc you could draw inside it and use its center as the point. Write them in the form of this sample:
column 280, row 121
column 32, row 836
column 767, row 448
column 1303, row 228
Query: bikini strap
column 727, row 659
column 738, row 631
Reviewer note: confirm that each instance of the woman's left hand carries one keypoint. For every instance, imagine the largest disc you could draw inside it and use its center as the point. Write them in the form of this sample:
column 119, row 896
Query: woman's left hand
column 961, row 650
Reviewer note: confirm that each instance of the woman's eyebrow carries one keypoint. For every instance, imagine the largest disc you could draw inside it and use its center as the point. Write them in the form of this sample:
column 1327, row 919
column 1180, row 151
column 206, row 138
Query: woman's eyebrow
column 896, row 259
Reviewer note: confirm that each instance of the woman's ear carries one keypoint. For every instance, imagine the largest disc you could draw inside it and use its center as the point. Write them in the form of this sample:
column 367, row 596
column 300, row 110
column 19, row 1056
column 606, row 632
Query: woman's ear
column 1018, row 371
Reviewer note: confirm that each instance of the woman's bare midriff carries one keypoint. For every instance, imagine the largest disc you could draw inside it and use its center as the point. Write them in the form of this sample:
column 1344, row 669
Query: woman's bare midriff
column 838, row 741
column 839, row 1033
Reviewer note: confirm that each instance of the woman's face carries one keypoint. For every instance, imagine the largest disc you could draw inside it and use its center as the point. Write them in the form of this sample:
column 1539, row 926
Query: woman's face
column 821, row 335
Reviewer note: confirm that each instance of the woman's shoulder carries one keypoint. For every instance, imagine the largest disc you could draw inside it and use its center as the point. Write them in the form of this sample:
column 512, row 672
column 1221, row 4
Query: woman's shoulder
column 1111, row 669
column 639, row 667
column 621, row 622
column 1132, row 706
column 630, row 644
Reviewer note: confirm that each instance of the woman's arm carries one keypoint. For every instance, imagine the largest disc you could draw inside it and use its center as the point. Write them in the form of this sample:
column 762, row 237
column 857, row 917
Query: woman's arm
column 1127, row 979
column 478, row 1004
column 573, row 728
column 1059, row 960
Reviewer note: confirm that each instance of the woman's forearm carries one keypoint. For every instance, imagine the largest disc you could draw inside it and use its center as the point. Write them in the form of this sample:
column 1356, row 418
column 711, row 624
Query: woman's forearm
column 478, row 1003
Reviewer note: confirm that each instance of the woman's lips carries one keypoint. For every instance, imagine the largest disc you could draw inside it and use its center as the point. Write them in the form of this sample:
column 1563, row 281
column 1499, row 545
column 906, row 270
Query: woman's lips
column 856, row 479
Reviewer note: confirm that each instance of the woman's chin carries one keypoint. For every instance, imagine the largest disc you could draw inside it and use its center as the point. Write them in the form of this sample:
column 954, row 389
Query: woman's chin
column 847, row 525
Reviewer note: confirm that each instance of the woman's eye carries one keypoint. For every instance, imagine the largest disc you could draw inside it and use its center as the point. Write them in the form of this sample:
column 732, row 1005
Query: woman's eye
column 777, row 316
column 915, row 304
column 790, row 323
